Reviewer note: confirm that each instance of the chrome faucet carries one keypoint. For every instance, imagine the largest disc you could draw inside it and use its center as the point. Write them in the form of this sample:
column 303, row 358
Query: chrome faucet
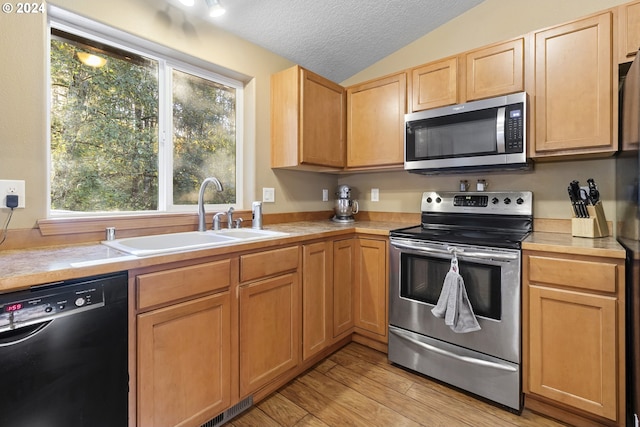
column 201, row 220
column 230, row 217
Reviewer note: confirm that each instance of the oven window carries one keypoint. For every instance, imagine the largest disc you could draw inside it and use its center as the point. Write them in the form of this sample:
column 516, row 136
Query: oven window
column 422, row 279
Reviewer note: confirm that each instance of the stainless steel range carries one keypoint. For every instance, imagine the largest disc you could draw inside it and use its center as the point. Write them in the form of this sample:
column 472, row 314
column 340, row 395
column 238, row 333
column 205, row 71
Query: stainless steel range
column 483, row 231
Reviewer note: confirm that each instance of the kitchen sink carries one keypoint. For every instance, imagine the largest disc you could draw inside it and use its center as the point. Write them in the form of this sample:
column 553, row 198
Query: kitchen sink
column 176, row 242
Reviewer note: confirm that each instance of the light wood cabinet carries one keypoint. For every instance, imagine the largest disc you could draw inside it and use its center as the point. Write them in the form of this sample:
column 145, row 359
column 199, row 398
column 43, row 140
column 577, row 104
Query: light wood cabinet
column 375, row 122
column 434, row 84
column 307, row 120
column 495, row 70
column 177, row 342
column 317, row 298
column 343, row 286
column 574, row 96
column 270, row 317
column 371, row 287
column 574, row 335
column 628, row 31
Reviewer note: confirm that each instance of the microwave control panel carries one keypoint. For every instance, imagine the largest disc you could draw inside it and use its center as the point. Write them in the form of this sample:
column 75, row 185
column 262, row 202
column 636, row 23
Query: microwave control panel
column 514, row 128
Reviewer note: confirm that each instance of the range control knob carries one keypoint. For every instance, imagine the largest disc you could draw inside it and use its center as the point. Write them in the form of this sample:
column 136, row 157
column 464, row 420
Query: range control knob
column 520, row 200
column 429, row 200
column 507, row 201
column 438, row 199
column 80, row 302
column 495, row 201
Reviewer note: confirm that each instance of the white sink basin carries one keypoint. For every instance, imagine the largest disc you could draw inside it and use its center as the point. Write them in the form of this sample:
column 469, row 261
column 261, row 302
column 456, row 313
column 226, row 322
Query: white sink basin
column 176, row 242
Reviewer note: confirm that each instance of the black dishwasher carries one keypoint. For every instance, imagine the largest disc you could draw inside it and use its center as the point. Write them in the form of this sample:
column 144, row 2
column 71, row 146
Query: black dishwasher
column 63, row 354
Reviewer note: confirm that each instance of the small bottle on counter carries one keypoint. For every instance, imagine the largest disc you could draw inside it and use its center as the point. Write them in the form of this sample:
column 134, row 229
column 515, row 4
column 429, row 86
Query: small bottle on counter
column 481, row 185
column 256, row 209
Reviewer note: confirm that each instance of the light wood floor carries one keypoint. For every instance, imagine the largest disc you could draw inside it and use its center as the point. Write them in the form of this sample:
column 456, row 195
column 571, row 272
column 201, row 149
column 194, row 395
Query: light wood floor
column 356, row 386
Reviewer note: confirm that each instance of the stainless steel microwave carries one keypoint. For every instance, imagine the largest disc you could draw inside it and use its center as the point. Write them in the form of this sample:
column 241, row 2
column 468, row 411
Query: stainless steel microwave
column 490, row 134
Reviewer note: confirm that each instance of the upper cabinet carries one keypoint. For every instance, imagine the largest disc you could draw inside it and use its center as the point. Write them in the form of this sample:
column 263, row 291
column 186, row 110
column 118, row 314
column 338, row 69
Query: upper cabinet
column 628, row 31
column 307, row 121
column 573, row 92
column 375, row 122
column 434, row 84
column 495, row 70
column 489, row 71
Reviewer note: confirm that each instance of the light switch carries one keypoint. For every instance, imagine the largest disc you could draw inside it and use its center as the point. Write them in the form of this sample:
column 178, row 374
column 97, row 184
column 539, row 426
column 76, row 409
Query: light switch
column 268, row 195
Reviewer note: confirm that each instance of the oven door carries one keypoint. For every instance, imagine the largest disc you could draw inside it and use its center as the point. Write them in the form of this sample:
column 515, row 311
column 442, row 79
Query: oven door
column 492, row 282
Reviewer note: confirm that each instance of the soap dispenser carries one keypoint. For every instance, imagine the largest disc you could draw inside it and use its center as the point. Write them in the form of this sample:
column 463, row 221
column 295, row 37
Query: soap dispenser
column 256, row 209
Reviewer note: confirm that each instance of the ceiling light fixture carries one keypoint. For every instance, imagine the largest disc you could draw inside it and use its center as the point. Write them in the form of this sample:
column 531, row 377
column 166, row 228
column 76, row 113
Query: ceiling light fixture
column 188, row 3
column 215, row 8
column 91, row 59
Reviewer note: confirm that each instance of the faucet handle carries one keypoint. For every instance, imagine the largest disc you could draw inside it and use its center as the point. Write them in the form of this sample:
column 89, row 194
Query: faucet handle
column 216, row 221
column 238, row 222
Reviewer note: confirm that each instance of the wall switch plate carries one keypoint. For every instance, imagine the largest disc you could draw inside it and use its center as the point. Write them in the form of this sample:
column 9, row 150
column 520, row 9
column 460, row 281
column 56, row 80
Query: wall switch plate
column 268, row 195
column 375, row 195
column 325, row 195
column 12, row 187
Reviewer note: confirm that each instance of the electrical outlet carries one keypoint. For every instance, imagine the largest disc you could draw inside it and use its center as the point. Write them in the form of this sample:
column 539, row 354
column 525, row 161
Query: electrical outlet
column 325, row 195
column 12, row 187
column 268, row 195
column 375, row 195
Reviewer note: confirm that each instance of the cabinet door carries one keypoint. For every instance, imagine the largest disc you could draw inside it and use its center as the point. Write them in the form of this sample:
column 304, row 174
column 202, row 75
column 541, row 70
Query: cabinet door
column 269, row 330
column 184, row 374
column 495, row 70
column 375, row 122
column 343, row 284
column 317, row 296
column 322, row 127
column 628, row 31
column 307, row 120
column 572, row 349
column 573, row 88
column 434, row 84
column 371, row 286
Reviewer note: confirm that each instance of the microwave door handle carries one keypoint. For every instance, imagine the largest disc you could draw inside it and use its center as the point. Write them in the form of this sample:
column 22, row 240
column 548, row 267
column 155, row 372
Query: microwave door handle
column 500, row 119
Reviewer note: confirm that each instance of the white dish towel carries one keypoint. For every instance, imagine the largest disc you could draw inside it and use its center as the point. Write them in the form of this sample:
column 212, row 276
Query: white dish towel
column 454, row 304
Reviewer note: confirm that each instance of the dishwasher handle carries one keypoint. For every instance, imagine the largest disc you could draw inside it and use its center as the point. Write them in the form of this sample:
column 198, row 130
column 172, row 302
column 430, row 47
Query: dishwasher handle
column 15, row 336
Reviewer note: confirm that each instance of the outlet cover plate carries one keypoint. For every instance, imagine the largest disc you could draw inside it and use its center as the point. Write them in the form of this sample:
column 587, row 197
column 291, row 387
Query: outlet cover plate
column 12, row 187
column 375, row 195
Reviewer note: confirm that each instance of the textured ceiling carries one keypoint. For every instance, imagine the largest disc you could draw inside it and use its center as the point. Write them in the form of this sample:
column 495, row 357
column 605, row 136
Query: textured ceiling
column 334, row 38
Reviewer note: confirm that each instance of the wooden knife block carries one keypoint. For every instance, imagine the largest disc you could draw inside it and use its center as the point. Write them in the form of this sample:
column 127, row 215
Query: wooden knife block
column 594, row 226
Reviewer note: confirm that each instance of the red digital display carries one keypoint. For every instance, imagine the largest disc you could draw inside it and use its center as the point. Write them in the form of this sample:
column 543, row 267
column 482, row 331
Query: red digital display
column 13, row 307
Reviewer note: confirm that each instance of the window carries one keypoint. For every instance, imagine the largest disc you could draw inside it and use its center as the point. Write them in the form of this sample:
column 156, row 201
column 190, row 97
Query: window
column 137, row 132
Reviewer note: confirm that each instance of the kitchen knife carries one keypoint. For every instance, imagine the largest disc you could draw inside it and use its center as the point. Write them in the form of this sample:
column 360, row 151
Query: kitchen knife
column 594, row 194
column 574, row 203
column 574, row 187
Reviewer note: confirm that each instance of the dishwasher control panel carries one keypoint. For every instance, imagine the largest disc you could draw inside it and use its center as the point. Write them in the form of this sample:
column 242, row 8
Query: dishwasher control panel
column 30, row 307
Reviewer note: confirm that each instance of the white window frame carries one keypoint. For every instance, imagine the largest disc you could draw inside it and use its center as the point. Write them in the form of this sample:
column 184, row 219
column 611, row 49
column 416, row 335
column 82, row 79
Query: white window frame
column 168, row 60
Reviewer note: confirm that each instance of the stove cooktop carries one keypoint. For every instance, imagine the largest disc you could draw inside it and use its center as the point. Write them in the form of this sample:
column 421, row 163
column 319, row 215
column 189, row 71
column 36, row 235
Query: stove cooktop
column 493, row 219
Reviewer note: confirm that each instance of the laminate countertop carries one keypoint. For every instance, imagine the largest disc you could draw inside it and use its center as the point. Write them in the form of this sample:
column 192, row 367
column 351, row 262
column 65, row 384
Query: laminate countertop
column 26, row 267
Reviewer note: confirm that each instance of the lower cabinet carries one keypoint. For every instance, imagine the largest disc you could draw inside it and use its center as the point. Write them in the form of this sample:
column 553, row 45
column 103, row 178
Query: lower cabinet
column 269, row 317
column 371, row 287
column 343, row 286
column 176, row 345
column 317, row 298
column 575, row 336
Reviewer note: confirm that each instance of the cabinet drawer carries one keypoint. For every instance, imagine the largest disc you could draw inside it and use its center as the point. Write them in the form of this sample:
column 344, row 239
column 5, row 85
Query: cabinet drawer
column 170, row 285
column 268, row 263
column 597, row 276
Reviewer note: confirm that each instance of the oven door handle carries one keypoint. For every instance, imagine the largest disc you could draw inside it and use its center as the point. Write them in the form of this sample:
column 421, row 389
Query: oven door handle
column 467, row 359
column 458, row 251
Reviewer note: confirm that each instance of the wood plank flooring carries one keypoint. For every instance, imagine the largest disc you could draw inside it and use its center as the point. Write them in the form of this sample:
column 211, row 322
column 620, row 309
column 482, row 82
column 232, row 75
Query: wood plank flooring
column 356, row 386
